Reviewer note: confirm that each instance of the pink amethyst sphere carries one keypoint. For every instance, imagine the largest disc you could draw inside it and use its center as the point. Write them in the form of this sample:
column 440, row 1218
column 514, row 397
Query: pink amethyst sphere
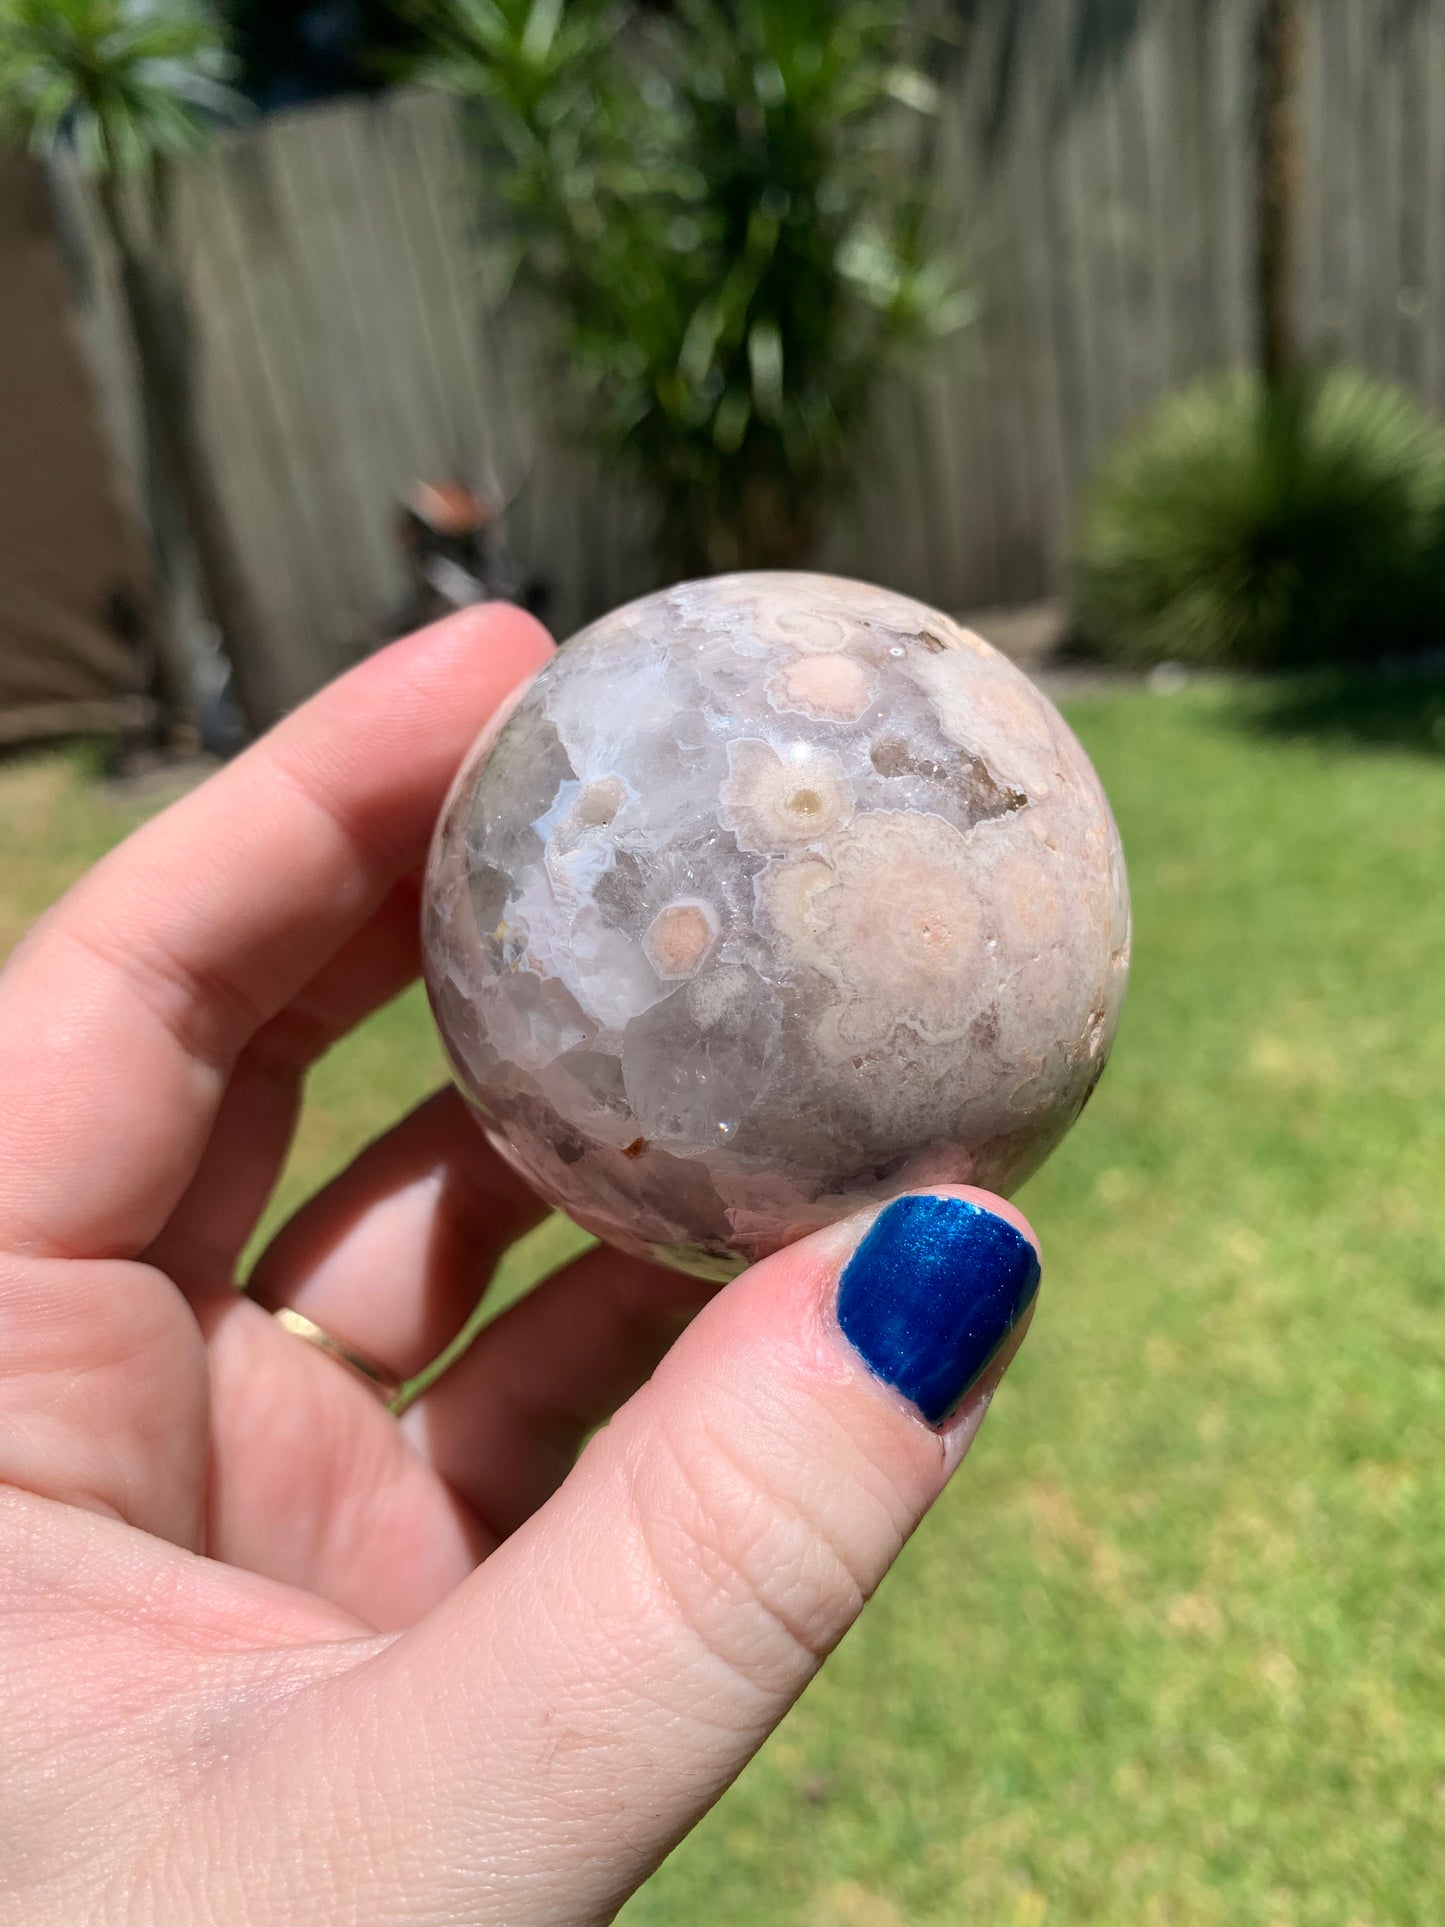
column 774, row 895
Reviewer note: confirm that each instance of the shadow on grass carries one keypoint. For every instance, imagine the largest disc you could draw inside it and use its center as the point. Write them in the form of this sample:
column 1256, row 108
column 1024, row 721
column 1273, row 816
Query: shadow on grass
column 1374, row 711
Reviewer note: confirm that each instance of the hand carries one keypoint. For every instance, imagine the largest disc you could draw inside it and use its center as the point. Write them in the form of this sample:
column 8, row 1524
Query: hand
column 268, row 1653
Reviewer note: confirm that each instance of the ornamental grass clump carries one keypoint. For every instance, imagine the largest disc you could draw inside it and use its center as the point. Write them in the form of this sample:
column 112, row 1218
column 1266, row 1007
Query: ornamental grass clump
column 1257, row 525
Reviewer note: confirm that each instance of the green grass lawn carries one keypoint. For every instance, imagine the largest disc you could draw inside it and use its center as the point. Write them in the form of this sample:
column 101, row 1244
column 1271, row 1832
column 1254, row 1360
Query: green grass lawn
column 1172, row 1650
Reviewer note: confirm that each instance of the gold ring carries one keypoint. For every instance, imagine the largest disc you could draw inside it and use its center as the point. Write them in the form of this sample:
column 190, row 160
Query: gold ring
column 386, row 1386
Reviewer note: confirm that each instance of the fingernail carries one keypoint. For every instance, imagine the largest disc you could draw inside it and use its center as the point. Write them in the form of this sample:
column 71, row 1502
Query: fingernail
column 931, row 1294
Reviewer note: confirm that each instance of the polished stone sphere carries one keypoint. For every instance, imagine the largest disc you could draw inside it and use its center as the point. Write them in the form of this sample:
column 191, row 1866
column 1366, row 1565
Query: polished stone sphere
column 772, row 896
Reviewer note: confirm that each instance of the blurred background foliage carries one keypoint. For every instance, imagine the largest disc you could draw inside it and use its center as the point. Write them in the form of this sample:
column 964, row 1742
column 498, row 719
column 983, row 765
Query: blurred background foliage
column 724, row 213
column 120, row 82
column 724, row 222
column 1268, row 526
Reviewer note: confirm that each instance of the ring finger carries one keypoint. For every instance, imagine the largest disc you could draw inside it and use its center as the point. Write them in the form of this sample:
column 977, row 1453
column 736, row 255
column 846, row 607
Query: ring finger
column 392, row 1257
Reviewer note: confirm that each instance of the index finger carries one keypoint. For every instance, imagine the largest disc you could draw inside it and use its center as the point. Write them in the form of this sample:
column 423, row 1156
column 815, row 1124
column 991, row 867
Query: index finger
column 123, row 1011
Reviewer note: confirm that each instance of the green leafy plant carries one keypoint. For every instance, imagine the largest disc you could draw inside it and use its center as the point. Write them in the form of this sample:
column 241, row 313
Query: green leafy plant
column 129, row 85
column 121, row 80
column 725, row 211
column 1244, row 523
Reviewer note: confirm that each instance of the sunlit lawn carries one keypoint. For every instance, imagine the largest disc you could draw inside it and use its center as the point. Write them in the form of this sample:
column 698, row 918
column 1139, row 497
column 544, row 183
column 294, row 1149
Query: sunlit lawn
column 1173, row 1648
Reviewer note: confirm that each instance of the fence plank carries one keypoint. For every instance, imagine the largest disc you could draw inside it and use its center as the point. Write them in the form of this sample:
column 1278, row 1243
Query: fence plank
column 1432, row 196
column 1412, row 165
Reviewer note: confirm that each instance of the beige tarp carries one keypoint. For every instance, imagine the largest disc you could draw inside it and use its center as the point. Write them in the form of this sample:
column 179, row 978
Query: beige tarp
column 70, row 553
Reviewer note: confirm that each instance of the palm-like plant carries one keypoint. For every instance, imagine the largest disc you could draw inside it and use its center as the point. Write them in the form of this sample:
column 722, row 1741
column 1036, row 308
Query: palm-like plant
column 124, row 82
column 129, row 85
column 726, row 219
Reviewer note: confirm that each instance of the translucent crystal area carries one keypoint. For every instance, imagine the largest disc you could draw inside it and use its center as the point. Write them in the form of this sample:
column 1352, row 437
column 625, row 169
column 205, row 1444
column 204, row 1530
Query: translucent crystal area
column 772, row 896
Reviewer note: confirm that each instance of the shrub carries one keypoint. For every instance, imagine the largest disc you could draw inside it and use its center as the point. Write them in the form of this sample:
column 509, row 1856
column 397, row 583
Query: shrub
column 724, row 209
column 1267, row 527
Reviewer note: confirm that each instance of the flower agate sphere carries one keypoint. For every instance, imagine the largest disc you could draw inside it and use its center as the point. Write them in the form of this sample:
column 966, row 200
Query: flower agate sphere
column 774, row 895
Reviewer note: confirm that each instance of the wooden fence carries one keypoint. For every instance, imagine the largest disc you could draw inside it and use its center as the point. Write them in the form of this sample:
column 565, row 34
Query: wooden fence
column 349, row 344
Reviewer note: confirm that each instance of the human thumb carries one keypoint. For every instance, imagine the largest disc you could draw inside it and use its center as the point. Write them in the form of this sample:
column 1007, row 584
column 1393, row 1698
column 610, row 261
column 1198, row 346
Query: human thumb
column 560, row 1721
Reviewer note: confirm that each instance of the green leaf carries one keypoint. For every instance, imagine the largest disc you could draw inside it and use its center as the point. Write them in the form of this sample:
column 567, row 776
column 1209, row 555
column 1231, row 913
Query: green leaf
column 765, row 362
column 730, row 423
column 541, row 30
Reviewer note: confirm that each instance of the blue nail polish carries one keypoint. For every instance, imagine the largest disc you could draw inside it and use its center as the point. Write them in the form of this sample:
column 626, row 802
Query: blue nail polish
column 931, row 1294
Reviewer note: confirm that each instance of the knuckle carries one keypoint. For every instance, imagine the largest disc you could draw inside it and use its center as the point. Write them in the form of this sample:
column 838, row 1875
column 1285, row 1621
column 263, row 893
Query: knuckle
column 373, row 845
column 765, row 1551
column 205, row 1010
